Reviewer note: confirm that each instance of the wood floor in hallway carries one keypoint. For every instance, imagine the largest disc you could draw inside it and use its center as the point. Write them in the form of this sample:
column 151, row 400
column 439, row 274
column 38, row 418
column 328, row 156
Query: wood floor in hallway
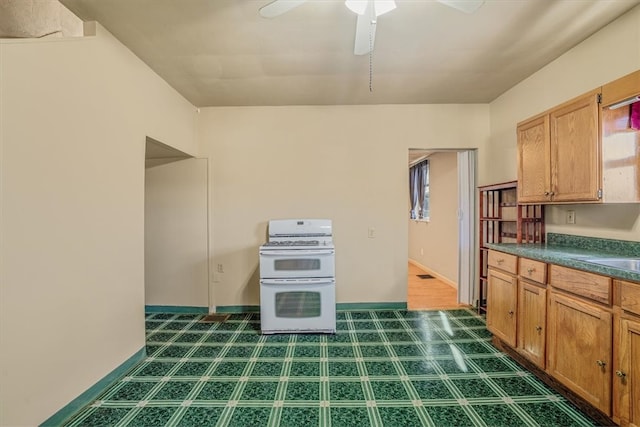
column 427, row 294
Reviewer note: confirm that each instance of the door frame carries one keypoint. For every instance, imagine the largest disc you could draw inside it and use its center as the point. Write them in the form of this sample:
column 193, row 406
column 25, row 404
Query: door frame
column 466, row 214
column 466, row 226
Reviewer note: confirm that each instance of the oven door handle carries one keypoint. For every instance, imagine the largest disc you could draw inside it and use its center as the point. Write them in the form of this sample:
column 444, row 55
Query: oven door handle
column 298, row 281
column 296, row 252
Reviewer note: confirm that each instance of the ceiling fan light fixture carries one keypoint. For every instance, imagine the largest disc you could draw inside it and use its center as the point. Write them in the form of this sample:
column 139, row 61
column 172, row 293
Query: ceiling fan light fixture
column 380, row 6
column 383, row 6
column 356, row 6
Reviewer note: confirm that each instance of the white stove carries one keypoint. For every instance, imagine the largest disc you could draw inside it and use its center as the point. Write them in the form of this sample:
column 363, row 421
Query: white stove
column 297, row 277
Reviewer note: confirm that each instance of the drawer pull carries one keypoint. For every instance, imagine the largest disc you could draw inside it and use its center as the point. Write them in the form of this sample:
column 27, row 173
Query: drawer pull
column 621, row 374
column 530, row 270
column 511, row 313
column 601, row 363
column 500, row 261
column 539, row 329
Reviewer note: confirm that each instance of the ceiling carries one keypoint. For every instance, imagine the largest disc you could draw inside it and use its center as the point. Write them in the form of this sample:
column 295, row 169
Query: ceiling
column 223, row 53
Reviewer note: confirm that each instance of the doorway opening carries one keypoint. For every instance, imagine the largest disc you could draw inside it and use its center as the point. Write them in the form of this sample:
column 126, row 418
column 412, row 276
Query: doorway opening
column 441, row 245
column 176, row 257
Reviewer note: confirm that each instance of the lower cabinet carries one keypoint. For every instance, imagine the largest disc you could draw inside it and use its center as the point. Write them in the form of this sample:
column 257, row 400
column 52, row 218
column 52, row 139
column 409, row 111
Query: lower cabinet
column 580, row 328
column 626, row 382
column 532, row 322
column 502, row 300
column 626, row 378
column 580, row 348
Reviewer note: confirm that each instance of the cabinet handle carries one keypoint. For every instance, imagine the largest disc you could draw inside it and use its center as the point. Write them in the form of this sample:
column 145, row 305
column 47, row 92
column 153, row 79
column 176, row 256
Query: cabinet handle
column 621, row 374
column 539, row 329
column 546, row 193
column 530, row 270
column 511, row 313
column 601, row 363
column 500, row 261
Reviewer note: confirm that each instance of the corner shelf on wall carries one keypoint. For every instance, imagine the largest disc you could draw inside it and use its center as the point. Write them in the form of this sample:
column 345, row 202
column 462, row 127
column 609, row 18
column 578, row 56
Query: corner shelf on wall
column 503, row 220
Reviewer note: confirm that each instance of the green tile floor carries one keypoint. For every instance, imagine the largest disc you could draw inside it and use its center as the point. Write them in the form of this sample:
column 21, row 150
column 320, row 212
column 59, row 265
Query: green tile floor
column 383, row 368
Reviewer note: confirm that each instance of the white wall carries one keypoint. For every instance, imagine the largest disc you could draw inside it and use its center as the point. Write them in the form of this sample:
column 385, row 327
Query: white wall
column 609, row 54
column 346, row 163
column 434, row 244
column 176, row 234
column 74, row 117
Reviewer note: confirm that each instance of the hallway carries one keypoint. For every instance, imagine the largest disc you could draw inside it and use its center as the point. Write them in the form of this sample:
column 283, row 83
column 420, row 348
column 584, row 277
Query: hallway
column 427, row 294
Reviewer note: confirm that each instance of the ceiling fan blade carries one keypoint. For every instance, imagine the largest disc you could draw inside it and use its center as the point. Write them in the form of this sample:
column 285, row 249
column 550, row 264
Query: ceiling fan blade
column 466, row 6
column 365, row 31
column 278, row 7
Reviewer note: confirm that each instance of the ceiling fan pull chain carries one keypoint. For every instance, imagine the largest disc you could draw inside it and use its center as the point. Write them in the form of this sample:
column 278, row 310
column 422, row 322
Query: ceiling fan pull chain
column 371, row 27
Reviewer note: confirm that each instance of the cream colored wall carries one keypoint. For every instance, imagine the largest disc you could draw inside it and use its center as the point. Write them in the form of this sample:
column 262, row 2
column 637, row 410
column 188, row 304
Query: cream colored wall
column 610, row 53
column 346, row 163
column 74, row 117
column 434, row 244
column 176, row 234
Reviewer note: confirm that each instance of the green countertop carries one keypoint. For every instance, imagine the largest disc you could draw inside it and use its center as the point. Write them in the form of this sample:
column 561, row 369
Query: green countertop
column 567, row 255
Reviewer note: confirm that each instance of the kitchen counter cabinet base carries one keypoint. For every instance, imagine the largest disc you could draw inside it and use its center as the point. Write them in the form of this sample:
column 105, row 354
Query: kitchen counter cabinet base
column 579, row 348
column 600, row 418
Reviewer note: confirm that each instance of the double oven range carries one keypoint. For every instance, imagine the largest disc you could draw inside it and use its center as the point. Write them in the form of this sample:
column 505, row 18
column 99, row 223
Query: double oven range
column 297, row 277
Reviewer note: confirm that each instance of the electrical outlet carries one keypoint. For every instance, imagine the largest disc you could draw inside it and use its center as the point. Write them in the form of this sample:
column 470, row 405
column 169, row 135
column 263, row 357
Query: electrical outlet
column 220, row 268
column 372, row 233
column 571, row 217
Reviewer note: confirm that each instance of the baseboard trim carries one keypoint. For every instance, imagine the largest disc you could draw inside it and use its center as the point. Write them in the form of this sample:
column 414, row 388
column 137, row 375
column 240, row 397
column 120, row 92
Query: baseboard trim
column 174, row 309
column 434, row 274
column 94, row 391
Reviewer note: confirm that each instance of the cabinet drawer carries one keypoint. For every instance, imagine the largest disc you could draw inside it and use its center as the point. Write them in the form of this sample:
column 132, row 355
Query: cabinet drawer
column 533, row 270
column 630, row 297
column 588, row 285
column 506, row 262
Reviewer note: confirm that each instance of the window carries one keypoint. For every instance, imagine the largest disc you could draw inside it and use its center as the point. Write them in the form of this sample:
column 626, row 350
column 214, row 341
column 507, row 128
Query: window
column 419, row 190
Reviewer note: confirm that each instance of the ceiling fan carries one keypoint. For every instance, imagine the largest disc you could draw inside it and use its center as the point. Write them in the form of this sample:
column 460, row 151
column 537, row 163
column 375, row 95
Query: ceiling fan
column 368, row 12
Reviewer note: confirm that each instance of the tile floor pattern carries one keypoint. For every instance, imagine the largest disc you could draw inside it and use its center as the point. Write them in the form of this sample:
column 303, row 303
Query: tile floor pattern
column 382, row 368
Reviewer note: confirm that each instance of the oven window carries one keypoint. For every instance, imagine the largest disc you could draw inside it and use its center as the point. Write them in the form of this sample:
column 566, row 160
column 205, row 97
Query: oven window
column 296, row 264
column 298, row 304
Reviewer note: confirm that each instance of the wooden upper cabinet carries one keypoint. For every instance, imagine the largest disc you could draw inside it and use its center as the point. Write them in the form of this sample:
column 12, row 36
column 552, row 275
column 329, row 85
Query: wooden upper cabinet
column 575, row 150
column 621, row 89
column 584, row 150
column 558, row 153
column 534, row 163
column 620, row 141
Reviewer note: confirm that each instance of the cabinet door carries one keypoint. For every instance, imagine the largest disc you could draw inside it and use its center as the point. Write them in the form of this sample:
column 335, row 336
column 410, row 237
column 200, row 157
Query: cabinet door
column 532, row 322
column 575, row 171
column 534, row 160
column 502, row 297
column 579, row 349
column 626, row 383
